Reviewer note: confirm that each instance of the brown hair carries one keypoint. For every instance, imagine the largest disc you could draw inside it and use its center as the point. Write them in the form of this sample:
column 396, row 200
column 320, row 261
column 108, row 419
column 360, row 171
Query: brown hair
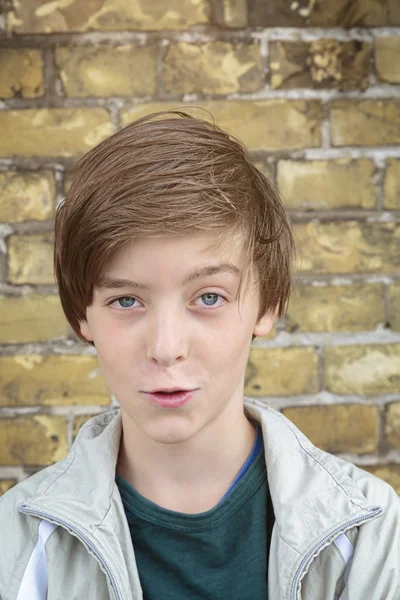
column 169, row 173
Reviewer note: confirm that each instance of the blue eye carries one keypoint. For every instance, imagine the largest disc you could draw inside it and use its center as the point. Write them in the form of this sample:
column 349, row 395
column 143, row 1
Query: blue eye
column 125, row 301
column 208, row 295
column 209, row 299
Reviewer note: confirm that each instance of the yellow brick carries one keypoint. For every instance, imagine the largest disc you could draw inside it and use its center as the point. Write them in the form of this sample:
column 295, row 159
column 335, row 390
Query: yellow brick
column 322, row 184
column 329, row 13
column 393, row 13
column 270, row 372
column 234, row 13
column 31, row 259
column 34, row 440
column 394, row 306
column 355, row 307
column 392, row 425
column 6, row 484
column 36, row 16
column 365, row 370
column 21, row 73
column 340, row 428
column 323, row 63
column 107, row 70
column 32, row 318
column 213, row 68
column 259, row 124
column 389, row 473
column 392, row 185
column 52, row 132
column 365, row 122
column 32, row 379
column 348, row 247
column 387, row 52
column 26, row 195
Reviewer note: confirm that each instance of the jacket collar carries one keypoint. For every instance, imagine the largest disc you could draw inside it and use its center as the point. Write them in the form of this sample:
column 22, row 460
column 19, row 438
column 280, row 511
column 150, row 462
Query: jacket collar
column 309, row 490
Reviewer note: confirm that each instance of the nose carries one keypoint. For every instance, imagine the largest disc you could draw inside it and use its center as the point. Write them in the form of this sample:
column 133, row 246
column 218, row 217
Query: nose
column 167, row 340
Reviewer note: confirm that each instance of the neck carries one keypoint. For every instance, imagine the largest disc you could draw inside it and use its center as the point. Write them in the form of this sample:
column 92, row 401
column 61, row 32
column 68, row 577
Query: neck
column 189, row 476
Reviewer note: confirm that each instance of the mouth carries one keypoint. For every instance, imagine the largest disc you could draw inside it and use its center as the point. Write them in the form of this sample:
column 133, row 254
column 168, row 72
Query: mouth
column 169, row 390
column 172, row 399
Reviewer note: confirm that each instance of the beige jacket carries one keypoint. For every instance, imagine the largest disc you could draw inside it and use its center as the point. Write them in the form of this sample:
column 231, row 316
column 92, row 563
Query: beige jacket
column 64, row 535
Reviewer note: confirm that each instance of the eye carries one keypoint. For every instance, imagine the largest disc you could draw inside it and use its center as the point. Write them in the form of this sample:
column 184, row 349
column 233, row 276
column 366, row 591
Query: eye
column 209, row 298
column 123, row 302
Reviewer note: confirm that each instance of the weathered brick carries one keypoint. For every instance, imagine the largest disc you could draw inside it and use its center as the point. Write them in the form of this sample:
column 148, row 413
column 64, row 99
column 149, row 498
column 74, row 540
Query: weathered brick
column 275, row 13
column 33, row 440
column 125, row 70
column 323, row 184
column 365, row 122
column 213, row 68
column 60, row 132
column 340, row 428
column 392, row 425
column 31, row 259
column 348, row 247
column 326, row 63
column 393, row 12
column 357, row 307
column 270, row 372
column 32, row 318
column 6, row 484
column 259, row 124
column 232, row 13
column 34, row 16
column 26, row 195
column 21, row 73
column 394, row 306
column 360, row 13
column 33, row 379
column 387, row 52
column 389, row 473
column 366, row 370
column 330, row 13
column 392, row 185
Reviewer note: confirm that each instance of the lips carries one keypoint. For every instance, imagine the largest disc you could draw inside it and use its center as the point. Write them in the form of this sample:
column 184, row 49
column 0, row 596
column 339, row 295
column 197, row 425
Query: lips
column 171, row 399
column 169, row 390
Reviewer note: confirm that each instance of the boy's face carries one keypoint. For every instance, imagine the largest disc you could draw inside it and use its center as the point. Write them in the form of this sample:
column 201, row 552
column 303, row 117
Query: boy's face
column 174, row 334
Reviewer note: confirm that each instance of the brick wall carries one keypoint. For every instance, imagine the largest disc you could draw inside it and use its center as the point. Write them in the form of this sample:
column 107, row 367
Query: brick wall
column 313, row 89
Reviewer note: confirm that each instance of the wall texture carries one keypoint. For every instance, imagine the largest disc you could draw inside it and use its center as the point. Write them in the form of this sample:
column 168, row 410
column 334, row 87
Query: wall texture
column 313, row 89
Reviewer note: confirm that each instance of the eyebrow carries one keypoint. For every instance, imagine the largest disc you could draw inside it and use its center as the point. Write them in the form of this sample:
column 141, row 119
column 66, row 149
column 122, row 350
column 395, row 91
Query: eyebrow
column 206, row 271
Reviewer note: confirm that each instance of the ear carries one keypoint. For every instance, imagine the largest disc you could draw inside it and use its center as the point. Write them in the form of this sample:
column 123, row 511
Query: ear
column 265, row 324
column 85, row 331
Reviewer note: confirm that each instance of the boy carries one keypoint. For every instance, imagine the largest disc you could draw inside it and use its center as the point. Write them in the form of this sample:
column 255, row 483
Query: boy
column 172, row 252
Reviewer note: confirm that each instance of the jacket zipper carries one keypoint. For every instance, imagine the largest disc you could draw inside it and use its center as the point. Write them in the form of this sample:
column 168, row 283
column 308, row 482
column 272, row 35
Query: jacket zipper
column 370, row 515
column 86, row 541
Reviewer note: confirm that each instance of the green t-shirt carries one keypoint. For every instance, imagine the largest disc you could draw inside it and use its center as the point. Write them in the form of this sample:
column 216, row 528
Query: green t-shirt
column 220, row 554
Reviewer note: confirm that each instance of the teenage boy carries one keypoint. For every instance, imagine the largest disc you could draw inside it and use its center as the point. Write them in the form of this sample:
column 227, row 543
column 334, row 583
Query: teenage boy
column 172, row 252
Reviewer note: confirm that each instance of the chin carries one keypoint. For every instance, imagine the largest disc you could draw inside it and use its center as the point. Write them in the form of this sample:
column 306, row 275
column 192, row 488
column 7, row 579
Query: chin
column 171, row 431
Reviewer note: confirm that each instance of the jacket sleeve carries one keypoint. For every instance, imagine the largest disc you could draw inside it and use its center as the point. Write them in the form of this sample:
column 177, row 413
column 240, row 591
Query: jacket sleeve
column 18, row 538
column 375, row 568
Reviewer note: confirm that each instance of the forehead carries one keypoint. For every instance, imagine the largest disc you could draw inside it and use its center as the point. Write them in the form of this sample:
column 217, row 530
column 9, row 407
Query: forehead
column 176, row 252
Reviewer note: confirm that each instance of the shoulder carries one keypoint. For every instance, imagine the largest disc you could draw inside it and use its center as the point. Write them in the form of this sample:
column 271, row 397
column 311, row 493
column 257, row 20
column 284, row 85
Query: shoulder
column 376, row 491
